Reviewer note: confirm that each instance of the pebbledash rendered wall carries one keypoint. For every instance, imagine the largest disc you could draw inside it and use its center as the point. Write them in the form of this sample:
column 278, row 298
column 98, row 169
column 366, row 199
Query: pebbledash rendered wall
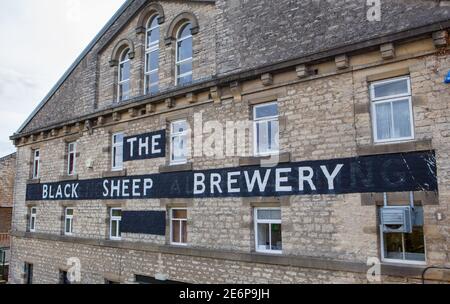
column 324, row 115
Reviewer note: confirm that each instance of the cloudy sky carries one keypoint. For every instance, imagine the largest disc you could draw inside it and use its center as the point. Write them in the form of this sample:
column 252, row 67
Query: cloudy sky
column 40, row 40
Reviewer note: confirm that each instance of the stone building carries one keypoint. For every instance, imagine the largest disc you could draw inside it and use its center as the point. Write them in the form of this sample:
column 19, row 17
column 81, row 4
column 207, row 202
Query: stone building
column 242, row 142
column 7, row 178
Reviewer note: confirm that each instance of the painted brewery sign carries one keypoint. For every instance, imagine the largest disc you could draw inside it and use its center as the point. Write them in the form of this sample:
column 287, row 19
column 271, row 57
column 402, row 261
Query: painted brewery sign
column 382, row 173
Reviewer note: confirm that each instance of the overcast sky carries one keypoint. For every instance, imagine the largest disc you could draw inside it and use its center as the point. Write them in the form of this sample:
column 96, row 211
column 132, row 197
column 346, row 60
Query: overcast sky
column 40, row 39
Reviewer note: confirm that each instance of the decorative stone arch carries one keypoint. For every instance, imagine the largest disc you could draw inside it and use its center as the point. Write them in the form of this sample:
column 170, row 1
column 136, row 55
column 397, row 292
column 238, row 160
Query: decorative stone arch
column 177, row 22
column 148, row 11
column 120, row 46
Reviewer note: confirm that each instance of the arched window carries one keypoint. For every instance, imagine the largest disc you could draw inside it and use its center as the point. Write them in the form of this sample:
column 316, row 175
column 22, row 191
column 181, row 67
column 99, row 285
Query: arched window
column 183, row 67
column 152, row 56
column 124, row 86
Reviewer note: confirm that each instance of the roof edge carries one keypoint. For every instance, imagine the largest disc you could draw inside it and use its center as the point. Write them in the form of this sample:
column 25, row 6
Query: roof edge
column 77, row 61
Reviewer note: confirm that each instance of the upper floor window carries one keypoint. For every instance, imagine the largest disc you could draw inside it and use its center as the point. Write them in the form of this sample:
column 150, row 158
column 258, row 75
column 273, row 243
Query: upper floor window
column 184, row 53
column 266, row 129
column 152, row 56
column 124, row 85
column 28, row 273
column 117, row 152
column 392, row 110
column 36, row 163
column 178, row 143
column 71, row 158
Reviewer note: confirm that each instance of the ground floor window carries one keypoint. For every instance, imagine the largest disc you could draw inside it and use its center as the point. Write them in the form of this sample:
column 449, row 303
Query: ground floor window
column 144, row 280
column 178, row 226
column 268, row 234
column 63, row 278
column 28, row 273
column 405, row 247
column 115, row 220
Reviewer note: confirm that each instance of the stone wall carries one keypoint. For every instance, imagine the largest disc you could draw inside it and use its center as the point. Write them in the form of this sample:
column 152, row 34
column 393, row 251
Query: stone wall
column 325, row 116
column 234, row 36
column 7, row 175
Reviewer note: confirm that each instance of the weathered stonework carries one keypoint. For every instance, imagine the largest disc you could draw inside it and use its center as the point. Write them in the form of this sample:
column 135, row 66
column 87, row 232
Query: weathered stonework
column 323, row 115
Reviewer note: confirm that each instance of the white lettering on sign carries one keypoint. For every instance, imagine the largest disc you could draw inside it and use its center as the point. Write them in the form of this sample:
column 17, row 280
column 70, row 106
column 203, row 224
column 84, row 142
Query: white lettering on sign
column 144, row 146
column 124, row 188
column 69, row 191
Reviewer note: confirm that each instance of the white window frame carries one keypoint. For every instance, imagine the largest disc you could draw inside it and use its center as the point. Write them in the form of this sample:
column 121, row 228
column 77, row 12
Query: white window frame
column 120, row 82
column 74, row 153
column 270, row 222
column 180, row 62
column 115, row 146
column 256, row 122
column 70, row 218
column 173, row 135
column 185, row 220
column 382, row 235
column 111, row 220
column 391, row 99
column 36, row 163
column 33, row 219
column 148, row 50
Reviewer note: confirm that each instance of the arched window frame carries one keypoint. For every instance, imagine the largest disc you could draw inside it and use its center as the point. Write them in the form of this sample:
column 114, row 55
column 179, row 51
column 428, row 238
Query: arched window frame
column 124, row 58
column 149, row 49
column 178, row 63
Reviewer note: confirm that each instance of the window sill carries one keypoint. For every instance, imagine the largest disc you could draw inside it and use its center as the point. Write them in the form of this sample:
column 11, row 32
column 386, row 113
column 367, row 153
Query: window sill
column 395, row 147
column 66, row 178
column 119, row 173
column 259, row 160
column 176, row 168
column 34, row 181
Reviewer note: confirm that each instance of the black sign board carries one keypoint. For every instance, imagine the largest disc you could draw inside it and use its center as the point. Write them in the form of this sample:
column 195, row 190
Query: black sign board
column 144, row 146
column 382, row 173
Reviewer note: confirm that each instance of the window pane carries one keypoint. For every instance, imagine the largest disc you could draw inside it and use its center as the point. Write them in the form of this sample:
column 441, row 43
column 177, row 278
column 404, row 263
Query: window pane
column 185, row 79
column 263, row 236
column 176, row 231
column 118, row 138
column 69, row 212
column 152, row 61
column 273, row 136
column 415, row 245
column 179, row 214
column 402, row 118
column 125, row 71
column 153, row 35
column 184, row 68
column 185, row 49
column 179, row 148
column 117, row 212
column 262, row 133
column 394, row 246
column 124, row 91
column 68, row 226
column 269, row 215
column 266, row 111
column 384, row 121
column 277, row 243
column 184, row 230
column 186, row 31
column 179, row 126
column 390, row 89
column 114, row 228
